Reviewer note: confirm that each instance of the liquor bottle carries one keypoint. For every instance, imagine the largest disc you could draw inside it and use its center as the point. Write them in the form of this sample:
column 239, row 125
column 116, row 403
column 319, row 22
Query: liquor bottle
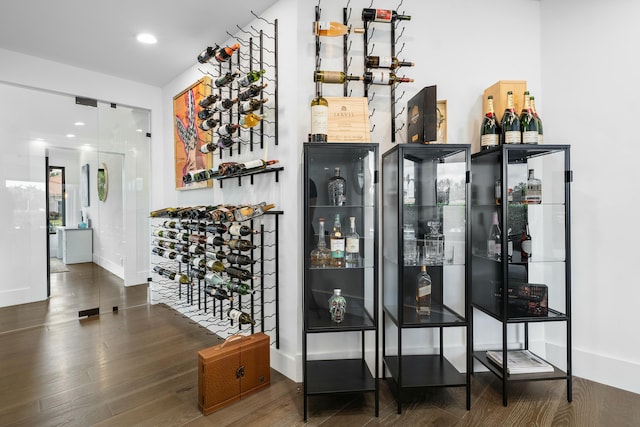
column 180, row 278
column 337, row 306
column 227, row 78
column 251, row 91
column 250, row 120
column 250, row 77
column 490, row 129
column 241, row 230
column 227, row 130
column 390, row 62
column 535, row 114
column 206, row 55
column 494, row 241
column 510, row 123
column 337, row 187
column 239, row 273
column 218, row 293
column 225, row 53
column 240, row 317
column 208, row 124
column 209, row 100
column 533, row 193
column 240, row 245
column 383, row 15
column 337, row 243
column 247, row 212
column 528, row 122
column 352, row 247
column 320, row 255
column 239, row 288
column 251, row 105
column 423, row 292
column 384, row 78
column 333, row 29
column 525, row 244
column 319, row 116
column 239, row 259
column 333, row 77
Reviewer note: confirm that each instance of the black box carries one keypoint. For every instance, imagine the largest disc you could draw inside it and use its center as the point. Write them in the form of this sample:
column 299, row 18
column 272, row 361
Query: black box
column 525, row 299
column 422, row 117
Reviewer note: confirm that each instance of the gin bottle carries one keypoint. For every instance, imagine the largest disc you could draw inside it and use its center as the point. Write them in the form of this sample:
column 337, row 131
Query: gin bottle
column 534, row 189
column 423, row 292
column 352, row 248
column 321, row 255
column 337, row 306
column 337, row 189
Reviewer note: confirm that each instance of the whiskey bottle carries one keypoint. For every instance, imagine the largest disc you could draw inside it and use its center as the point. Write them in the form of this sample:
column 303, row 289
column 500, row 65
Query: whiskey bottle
column 337, row 243
column 319, row 116
column 337, row 187
column 320, row 255
column 227, row 78
column 250, row 77
column 240, row 317
column 352, row 247
column 251, row 91
column 423, row 292
column 384, row 78
column 383, row 15
column 494, row 240
column 510, row 123
column 489, row 130
column 333, row 77
column 225, row 53
column 525, row 244
column 528, row 122
column 390, row 62
column 535, row 114
column 334, row 29
column 533, row 191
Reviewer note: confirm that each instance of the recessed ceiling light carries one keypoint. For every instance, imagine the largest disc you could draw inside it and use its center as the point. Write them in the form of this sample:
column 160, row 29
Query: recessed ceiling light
column 139, row 130
column 70, row 135
column 146, row 38
column 79, row 123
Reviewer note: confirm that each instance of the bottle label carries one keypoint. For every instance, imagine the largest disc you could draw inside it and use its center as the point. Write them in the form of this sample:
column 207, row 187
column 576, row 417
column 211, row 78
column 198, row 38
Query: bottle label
column 332, row 77
column 530, row 137
column 234, row 314
column 512, row 137
column 386, row 62
column 223, row 131
column 489, row 140
column 526, row 246
column 423, row 291
column 252, row 164
column 383, row 15
column 353, row 245
column 324, row 25
column 319, row 119
column 378, row 77
column 337, row 248
column 491, row 248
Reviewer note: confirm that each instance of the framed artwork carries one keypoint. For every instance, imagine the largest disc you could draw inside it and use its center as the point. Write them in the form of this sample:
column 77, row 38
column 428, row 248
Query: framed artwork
column 84, row 185
column 441, row 117
column 188, row 137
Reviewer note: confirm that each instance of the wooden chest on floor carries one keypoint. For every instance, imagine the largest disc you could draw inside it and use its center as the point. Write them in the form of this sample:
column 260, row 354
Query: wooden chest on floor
column 232, row 370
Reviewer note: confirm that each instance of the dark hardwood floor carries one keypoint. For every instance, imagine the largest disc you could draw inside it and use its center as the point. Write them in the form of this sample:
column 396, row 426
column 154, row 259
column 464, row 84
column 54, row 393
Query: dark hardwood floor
column 137, row 367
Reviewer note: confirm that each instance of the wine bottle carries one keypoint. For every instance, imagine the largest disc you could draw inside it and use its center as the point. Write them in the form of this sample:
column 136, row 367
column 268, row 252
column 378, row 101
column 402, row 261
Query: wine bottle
column 164, row 253
column 337, row 243
column 247, row 212
column 423, row 292
column 215, row 265
column 227, row 168
column 205, row 113
column 240, row 317
column 209, row 100
column 208, row 124
column 239, row 288
column 251, row 105
column 333, row 29
column 510, row 123
column 198, row 262
column 525, row 244
column 227, row 78
column 241, row 230
column 206, row 55
column 239, row 259
column 167, row 234
column 171, row 224
column 201, row 174
column 225, row 53
column 217, row 241
column 239, row 273
column 253, row 164
column 220, row 106
column 390, row 62
column 535, row 114
column 251, row 91
column 383, row 15
column 337, row 188
column 194, row 273
column 528, row 122
column 196, row 249
column 240, row 245
column 250, row 120
column 162, row 212
column 222, row 214
column 227, row 130
column 320, row 256
column 489, row 130
column 352, row 247
column 384, row 78
column 180, row 278
column 218, row 293
column 214, row 279
column 250, row 77
column 216, row 228
column 494, row 241
column 533, row 190
column 319, row 116
column 333, row 77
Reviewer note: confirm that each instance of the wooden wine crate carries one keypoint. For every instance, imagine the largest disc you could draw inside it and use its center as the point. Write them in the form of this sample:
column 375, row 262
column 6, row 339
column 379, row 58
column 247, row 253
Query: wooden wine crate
column 499, row 92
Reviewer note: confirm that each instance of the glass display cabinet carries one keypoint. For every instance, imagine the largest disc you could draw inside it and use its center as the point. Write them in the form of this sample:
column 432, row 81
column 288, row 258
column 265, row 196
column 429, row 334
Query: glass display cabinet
column 425, row 230
column 340, row 338
column 521, row 249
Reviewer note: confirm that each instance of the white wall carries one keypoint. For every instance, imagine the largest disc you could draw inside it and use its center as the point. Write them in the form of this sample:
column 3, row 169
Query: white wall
column 589, row 74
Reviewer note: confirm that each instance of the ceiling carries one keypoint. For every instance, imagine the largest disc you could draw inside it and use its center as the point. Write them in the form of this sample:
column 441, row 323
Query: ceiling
column 101, row 35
